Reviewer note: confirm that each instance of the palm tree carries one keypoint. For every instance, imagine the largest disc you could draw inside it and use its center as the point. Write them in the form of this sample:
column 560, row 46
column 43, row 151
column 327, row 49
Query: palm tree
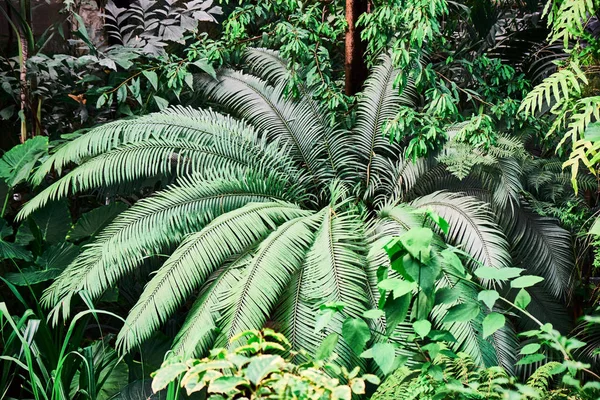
column 270, row 215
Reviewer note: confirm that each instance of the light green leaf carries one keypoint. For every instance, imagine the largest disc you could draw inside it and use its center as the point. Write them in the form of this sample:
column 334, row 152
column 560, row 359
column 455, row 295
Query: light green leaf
column 417, row 242
column 492, row 322
column 498, row 274
column 530, row 359
column 530, row 348
column 398, row 286
column 373, row 314
column 326, row 348
column 161, row 103
column 152, row 78
column 384, row 355
column 462, row 312
column 488, row 297
column 226, row 384
column 422, row 328
column 525, row 281
column 166, row 375
column 262, row 366
column 523, row 299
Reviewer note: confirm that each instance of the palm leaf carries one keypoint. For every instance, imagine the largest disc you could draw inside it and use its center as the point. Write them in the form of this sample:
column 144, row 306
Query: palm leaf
column 276, row 260
column 472, row 227
column 174, row 123
column 154, row 224
column 195, row 259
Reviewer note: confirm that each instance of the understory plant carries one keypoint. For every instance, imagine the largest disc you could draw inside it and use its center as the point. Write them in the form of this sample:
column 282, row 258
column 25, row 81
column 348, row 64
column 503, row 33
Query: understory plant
column 257, row 369
column 264, row 218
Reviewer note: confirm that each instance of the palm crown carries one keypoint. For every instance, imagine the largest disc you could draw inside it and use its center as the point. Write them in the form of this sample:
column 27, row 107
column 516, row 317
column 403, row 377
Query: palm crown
column 268, row 216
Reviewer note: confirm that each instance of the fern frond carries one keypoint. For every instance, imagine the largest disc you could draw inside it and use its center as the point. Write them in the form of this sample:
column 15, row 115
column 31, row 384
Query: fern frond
column 558, row 87
column 378, row 104
column 199, row 330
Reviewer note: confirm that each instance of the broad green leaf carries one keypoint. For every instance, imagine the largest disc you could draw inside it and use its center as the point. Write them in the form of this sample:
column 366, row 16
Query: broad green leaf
column 323, row 319
column 17, row 163
column 462, row 312
column 446, row 295
column 417, row 242
column 498, row 274
column 439, row 221
column 441, row 336
column 263, row 365
column 384, row 355
column 398, row 286
column 530, row 348
column 492, row 322
column 523, row 299
column 122, row 94
column 433, row 349
column 92, row 222
column 525, row 281
column 206, row 67
column 395, row 311
column 226, row 384
column 326, row 348
column 9, row 250
column 161, row 103
column 166, row 375
column 356, row 333
column 595, row 229
column 488, row 297
column 422, row 328
column 53, row 221
column 373, row 314
column 451, row 259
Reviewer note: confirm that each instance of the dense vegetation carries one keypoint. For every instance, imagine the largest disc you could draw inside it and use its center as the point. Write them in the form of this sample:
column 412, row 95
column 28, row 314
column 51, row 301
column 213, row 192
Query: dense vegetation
column 301, row 200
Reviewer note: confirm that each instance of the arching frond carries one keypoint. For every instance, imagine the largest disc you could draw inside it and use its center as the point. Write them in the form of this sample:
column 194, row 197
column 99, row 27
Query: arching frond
column 472, row 227
column 195, row 259
column 183, row 123
column 266, row 64
column 378, row 104
column 275, row 117
column 334, row 272
column 277, row 258
column 406, row 174
column 201, row 324
column 542, row 247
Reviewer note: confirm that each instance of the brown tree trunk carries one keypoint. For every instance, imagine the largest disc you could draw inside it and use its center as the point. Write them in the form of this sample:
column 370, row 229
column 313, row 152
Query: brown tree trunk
column 356, row 68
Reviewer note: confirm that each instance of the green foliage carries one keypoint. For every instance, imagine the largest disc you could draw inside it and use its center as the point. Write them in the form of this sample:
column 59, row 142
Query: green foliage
column 270, row 218
column 57, row 364
column 256, row 369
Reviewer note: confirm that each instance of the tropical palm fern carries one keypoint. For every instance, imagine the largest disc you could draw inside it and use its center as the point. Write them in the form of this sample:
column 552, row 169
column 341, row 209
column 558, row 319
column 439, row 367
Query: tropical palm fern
column 272, row 213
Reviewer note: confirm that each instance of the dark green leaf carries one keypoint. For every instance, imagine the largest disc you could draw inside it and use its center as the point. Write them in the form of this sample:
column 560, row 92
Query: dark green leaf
column 462, row 312
column 356, row 333
column 326, row 348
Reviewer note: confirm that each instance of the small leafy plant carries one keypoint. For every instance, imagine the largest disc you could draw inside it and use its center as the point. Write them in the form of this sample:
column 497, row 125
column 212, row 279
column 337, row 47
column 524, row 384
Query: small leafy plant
column 258, row 369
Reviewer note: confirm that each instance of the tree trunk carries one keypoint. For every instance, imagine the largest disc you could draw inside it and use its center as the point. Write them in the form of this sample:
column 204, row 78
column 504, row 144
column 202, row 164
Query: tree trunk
column 356, row 69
